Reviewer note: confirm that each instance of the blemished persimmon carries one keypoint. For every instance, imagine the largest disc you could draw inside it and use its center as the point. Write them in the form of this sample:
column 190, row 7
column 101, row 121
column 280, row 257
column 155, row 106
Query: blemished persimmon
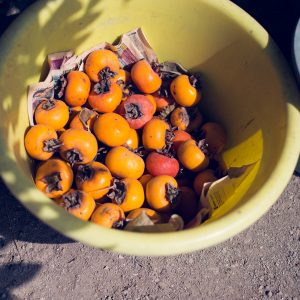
column 79, row 203
column 78, row 146
column 41, row 142
column 94, row 178
column 144, row 77
column 99, row 60
column 53, row 113
column 108, row 215
column 123, row 163
column 54, row 177
column 162, row 193
column 77, row 89
column 186, row 119
column 184, row 93
column 112, row 129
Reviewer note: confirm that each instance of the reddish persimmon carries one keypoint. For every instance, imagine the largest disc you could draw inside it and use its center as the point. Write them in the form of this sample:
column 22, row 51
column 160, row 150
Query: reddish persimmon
column 160, row 164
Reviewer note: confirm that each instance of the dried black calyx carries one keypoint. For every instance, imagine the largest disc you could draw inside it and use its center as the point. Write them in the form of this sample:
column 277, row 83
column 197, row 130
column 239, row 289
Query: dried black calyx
column 172, row 194
column 132, row 111
column 106, row 74
column 60, row 86
column 85, row 172
column 49, row 104
column 102, row 87
column 51, row 145
column 118, row 192
column 72, row 199
column 53, row 182
column 73, row 156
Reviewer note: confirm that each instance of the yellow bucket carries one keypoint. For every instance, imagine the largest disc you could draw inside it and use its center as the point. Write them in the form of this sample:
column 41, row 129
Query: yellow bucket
column 247, row 87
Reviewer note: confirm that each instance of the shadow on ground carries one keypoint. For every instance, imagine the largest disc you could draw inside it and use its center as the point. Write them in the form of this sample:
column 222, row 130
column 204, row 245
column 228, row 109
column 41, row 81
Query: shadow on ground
column 13, row 275
column 17, row 223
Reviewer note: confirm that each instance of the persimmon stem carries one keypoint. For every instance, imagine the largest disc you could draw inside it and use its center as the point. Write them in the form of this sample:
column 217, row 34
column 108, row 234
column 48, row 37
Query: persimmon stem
column 51, row 145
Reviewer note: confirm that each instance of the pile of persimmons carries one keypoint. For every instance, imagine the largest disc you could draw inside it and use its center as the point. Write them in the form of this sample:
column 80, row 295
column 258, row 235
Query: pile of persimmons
column 113, row 143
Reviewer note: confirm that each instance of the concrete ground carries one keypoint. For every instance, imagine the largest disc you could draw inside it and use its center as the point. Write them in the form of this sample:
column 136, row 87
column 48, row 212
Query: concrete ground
column 262, row 262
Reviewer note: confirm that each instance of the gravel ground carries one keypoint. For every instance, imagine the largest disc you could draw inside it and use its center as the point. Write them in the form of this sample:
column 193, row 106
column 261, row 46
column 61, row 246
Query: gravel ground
column 262, row 262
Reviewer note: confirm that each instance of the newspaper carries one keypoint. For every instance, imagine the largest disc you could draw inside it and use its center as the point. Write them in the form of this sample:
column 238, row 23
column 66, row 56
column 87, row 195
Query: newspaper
column 215, row 194
column 132, row 47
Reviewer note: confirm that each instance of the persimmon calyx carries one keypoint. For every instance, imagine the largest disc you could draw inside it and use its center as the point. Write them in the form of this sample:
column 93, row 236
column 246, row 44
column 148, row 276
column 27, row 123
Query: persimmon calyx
column 72, row 199
column 85, row 173
column 172, row 194
column 132, row 111
column 51, row 145
column 118, row 192
column 74, row 156
column 53, row 182
column 106, row 74
column 49, row 104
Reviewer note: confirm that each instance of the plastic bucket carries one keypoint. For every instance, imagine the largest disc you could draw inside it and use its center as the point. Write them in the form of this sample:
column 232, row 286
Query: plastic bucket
column 247, row 88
